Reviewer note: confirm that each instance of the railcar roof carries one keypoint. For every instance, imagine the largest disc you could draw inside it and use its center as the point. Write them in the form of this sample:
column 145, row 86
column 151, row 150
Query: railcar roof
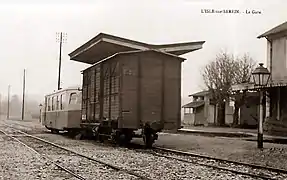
column 105, row 45
column 63, row 90
column 134, row 52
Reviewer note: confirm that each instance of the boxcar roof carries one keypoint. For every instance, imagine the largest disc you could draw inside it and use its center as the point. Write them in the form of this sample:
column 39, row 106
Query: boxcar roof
column 105, row 45
column 134, row 52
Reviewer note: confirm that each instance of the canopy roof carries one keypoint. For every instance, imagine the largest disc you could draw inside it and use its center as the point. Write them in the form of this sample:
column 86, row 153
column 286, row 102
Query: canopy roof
column 194, row 104
column 105, row 45
column 252, row 87
column 278, row 29
column 201, row 93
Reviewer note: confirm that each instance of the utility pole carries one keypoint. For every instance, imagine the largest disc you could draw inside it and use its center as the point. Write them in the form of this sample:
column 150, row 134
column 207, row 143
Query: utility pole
column 0, row 108
column 61, row 38
column 8, row 104
column 23, row 98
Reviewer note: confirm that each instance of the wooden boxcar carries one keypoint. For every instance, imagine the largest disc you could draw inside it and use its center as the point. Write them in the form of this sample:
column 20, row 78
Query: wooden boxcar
column 62, row 110
column 129, row 91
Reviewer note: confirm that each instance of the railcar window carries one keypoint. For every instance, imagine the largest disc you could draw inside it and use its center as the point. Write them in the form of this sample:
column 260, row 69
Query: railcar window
column 73, row 98
column 79, row 99
column 61, row 102
column 53, row 105
column 49, row 104
column 57, row 103
column 64, row 101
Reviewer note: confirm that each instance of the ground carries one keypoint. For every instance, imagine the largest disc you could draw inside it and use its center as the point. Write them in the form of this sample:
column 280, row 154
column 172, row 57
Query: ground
column 238, row 149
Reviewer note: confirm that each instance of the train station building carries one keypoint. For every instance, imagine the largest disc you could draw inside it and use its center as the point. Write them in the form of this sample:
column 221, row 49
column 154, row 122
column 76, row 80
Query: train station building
column 275, row 120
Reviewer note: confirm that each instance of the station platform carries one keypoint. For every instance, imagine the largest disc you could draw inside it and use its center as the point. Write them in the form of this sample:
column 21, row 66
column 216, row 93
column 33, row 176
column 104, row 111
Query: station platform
column 245, row 134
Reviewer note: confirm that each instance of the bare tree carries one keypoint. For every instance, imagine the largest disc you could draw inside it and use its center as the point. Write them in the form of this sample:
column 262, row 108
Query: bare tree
column 219, row 75
column 245, row 66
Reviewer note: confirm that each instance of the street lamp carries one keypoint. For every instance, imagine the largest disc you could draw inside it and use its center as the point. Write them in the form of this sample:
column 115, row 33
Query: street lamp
column 261, row 77
column 40, row 111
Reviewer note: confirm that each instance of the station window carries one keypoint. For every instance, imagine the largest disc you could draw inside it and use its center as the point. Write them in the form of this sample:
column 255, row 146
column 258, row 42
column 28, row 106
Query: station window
column 73, row 98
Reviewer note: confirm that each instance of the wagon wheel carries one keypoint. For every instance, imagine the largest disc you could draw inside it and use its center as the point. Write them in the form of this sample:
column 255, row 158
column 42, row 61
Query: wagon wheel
column 148, row 140
column 124, row 139
column 121, row 138
column 101, row 138
column 54, row 131
column 96, row 134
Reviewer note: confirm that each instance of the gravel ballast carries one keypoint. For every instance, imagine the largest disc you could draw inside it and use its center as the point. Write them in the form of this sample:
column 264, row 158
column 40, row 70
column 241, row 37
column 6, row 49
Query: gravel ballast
column 273, row 155
column 144, row 163
column 17, row 162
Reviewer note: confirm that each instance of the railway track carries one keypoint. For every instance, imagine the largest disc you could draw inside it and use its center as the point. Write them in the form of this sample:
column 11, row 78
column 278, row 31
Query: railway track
column 255, row 171
column 40, row 155
column 239, row 168
column 31, row 143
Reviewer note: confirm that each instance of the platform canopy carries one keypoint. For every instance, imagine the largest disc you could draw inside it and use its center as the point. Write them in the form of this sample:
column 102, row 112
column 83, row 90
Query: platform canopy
column 251, row 86
column 194, row 104
column 105, row 45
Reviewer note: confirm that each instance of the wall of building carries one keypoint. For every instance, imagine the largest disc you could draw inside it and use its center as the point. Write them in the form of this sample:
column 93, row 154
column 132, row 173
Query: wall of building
column 248, row 115
column 188, row 119
column 278, row 59
column 249, row 111
column 228, row 113
column 278, row 109
column 211, row 114
column 199, row 116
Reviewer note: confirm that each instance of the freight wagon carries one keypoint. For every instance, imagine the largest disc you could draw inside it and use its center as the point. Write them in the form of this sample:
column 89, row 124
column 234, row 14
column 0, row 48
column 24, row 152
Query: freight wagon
column 129, row 91
column 132, row 89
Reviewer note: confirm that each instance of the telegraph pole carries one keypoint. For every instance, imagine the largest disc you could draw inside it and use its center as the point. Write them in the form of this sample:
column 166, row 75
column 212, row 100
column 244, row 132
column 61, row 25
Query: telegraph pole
column 61, row 38
column 23, row 98
column 0, row 108
column 8, row 104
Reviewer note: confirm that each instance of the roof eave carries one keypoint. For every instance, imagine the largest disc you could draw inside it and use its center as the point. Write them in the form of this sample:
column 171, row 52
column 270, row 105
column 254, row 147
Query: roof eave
column 181, row 48
column 276, row 30
column 175, row 49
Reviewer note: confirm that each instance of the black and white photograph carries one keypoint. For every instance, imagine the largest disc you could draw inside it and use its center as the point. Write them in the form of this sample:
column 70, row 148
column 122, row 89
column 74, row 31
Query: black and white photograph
column 143, row 90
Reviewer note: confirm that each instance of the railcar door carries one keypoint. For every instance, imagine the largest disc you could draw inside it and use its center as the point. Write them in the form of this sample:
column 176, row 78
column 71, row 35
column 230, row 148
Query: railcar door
column 74, row 110
column 58, row 113
column 44, row 112
column 53, row 115
column 50, row 115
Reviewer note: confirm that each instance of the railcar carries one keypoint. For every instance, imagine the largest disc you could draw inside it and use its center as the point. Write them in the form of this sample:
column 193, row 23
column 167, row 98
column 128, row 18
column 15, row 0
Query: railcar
column 62, row 110
column 130, row 92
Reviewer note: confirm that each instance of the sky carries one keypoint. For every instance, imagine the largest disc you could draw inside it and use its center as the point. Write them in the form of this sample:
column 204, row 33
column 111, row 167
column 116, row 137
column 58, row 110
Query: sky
column 28, row 35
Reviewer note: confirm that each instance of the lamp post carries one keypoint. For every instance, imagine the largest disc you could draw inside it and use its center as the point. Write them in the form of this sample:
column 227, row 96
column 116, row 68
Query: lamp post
column 40, row 111
column 261, row 77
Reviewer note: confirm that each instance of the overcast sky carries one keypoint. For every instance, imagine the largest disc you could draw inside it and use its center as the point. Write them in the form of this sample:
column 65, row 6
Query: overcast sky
column 28, row 34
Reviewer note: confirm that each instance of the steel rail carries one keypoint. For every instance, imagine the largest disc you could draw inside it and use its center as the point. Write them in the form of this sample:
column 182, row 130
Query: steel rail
column 88, row 157
column 183, row 153
column 51, row 161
